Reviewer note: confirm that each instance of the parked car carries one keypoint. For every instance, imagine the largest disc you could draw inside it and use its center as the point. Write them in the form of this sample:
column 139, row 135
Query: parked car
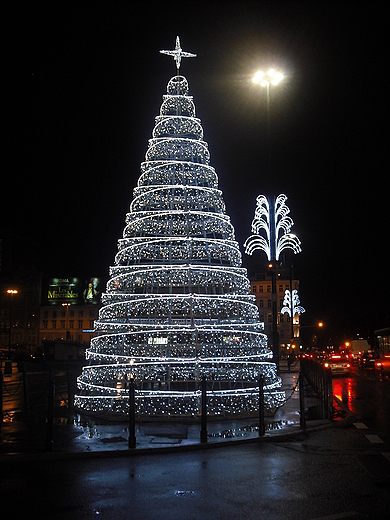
column 367, row 361
column 339, row 363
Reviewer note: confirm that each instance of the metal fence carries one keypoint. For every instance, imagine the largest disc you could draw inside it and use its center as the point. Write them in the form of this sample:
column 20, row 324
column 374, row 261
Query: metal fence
column 320, row 379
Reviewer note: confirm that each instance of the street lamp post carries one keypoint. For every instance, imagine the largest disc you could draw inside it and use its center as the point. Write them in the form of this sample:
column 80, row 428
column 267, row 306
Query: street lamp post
column 67, row 319
column 265, row 79
column 11, row 292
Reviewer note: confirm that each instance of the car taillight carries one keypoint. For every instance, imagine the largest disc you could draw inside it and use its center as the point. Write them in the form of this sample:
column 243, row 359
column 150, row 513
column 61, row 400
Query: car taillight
column 348, row 365
column 378, row 364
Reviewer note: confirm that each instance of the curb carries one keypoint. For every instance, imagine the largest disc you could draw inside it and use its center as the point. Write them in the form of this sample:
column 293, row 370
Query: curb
column 45, row 456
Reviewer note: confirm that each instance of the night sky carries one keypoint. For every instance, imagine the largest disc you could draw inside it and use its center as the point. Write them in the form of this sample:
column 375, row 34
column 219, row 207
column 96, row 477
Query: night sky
column 84, row 81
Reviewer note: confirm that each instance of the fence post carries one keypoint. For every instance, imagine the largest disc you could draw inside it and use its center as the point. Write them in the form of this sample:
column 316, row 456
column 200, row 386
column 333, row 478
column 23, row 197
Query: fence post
column 203, row 431
column 70, row 396
column 25, row 394
column 50, row 414
column 329, row 393
column 261, row 406
column 302, row 401
column 1, row 398
column 132, row 437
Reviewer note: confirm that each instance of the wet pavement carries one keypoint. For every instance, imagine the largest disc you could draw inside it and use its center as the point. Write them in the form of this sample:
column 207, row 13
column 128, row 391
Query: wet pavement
column 74, row 434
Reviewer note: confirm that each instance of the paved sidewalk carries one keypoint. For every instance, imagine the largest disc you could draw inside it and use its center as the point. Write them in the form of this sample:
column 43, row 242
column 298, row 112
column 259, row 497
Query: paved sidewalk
column 75, row 435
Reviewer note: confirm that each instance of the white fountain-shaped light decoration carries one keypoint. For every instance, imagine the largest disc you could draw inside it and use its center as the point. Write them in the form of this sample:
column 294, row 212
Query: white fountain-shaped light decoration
column 271, row 219
column 292, row 307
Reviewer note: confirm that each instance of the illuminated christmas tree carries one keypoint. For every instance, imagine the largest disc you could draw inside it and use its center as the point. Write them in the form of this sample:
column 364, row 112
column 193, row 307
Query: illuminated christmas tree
column 177, row 306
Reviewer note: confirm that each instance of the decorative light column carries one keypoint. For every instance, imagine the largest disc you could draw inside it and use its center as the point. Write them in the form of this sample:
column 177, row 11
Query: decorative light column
column 292, row 306
column 271, row 228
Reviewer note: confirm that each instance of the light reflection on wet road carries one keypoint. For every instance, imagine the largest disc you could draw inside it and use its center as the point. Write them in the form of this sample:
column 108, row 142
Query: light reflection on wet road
column 366, row 396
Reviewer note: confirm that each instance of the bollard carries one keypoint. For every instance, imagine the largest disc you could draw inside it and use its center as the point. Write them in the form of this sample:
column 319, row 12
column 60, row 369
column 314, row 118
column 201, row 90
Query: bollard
column 203, row 431
column 50, row 414
column 132, row 437
column 302, row 401
column 261, row 406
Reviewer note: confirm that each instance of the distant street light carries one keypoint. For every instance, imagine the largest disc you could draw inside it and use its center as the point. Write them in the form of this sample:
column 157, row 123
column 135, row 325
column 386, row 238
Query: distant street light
column 318, row 325
column 11, row 292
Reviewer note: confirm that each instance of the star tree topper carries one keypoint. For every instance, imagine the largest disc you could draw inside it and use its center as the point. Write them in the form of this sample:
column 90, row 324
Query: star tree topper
column 178, row 54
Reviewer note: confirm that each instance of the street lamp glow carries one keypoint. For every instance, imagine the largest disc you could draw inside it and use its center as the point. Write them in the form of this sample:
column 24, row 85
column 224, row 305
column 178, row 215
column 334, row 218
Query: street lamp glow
column 277, row 78
column 272, row 77
column 258, row 76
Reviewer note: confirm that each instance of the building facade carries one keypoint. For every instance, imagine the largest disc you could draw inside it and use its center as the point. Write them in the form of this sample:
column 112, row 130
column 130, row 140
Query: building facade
column 19, row 311
column 36, row 311
column 69, row 309
column 261, row 288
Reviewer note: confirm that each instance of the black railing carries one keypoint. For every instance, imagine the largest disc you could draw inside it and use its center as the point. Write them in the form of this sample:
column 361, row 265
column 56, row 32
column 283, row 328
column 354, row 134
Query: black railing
column 320, row 379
